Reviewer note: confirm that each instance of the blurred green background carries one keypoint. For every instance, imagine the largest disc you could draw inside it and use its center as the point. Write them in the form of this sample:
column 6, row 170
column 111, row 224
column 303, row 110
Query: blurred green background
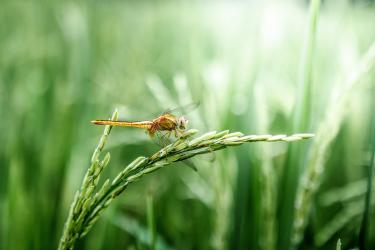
column 63, row 64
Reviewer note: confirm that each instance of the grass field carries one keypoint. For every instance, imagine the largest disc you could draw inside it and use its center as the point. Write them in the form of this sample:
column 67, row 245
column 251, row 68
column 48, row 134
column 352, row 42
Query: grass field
column 275, row 67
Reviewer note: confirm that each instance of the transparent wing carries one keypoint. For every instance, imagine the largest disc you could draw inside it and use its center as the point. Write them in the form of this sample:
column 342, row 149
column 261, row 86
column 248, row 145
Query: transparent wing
column 162, row 139
column 183, row 109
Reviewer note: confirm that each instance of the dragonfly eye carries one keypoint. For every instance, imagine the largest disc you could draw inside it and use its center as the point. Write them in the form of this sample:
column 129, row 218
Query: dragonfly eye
column 182, row 123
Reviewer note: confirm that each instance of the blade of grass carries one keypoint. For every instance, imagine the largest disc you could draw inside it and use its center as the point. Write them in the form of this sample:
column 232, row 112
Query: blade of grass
column 346, row 193
column 151, row 221
column 338, row 244
column 327, row 132
column 365, row 221
column 138, row 231
column 303, row 103
column 350, row 215
column 301, row 122
column 268, row 188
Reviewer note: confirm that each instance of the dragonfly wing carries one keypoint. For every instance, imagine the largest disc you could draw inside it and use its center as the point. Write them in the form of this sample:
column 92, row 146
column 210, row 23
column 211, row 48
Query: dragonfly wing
column 190, row 164
column 183, row 109
column 162, row 138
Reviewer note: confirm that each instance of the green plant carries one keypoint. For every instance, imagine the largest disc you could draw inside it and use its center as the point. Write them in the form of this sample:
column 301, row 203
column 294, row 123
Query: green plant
column 338, row 245
column 326, row 133
column 88, row 205
column 302, row 121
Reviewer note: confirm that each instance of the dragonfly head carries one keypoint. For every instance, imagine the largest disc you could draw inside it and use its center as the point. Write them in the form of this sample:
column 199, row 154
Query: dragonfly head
column 182, row 123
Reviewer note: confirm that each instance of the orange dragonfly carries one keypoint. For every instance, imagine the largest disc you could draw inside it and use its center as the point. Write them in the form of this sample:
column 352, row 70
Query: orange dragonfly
column 166, row 122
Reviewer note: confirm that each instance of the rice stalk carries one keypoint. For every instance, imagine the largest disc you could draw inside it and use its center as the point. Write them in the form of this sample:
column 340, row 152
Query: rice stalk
column 302, row 112
column 325, row 135
column 151, row 221
column 139, row 231
column 338, row 244
column 268, row 188
column 363, row 233
column 85, row 197
column 88, row 205
column 346, row 193
column 301, row 121
column 350, row 213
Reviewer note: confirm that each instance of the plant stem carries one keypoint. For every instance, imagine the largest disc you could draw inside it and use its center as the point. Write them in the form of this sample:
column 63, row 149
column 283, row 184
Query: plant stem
column 301, row 121
column 365, row 221
column 151, row 221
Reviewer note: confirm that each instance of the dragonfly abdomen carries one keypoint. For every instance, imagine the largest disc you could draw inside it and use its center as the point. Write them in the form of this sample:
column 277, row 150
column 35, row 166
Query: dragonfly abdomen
column 143, row 124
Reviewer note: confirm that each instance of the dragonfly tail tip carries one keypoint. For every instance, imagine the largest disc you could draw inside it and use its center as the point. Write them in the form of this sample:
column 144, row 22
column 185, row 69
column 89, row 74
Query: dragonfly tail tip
column 95, row 122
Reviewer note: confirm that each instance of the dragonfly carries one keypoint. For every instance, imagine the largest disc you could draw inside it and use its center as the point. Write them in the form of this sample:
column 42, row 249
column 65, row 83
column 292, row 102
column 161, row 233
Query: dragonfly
column 166, row 123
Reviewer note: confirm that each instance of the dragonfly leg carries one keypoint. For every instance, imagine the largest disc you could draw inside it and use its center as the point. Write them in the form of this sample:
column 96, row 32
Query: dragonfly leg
column 168, row 134
column 178, row 133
